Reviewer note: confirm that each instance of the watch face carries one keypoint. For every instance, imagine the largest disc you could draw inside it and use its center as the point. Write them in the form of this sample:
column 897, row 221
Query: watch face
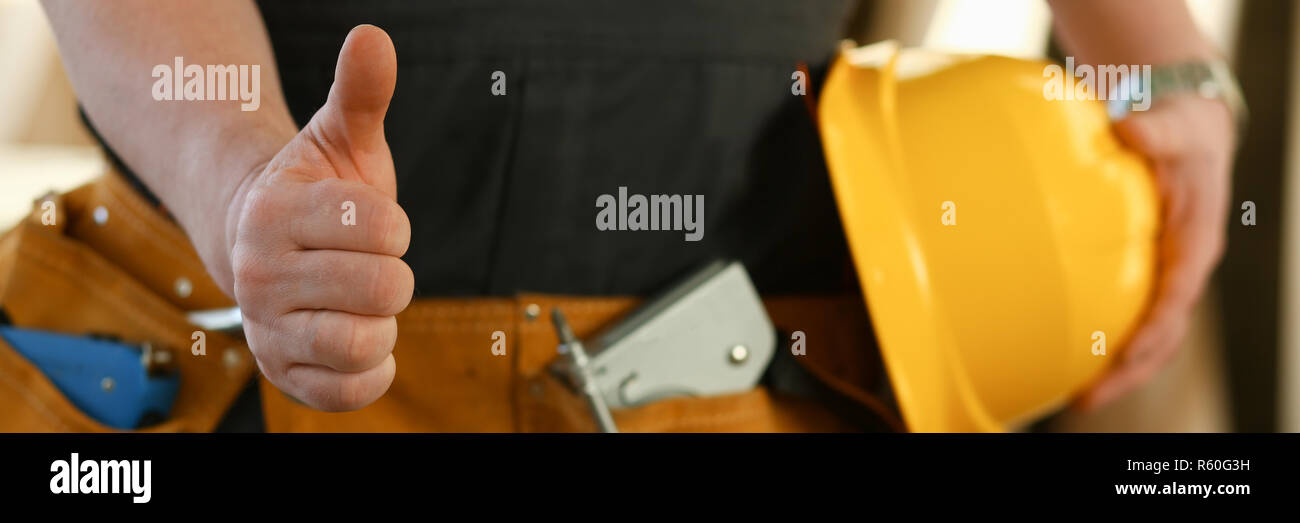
column 1120, row 99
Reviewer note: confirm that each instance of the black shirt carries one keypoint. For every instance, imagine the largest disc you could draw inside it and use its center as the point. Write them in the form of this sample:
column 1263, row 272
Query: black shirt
column 676, row 97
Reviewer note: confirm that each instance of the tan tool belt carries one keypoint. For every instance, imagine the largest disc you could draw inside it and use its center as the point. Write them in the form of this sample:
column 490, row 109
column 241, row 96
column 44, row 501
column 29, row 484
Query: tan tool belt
column 110, row 264
column 113, row 264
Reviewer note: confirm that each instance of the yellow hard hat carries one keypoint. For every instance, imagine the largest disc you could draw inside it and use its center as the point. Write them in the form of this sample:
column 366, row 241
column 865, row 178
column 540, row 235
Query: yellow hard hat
column 1006, row 243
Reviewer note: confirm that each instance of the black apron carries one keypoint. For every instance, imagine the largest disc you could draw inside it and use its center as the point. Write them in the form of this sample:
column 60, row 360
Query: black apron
column 675, row 97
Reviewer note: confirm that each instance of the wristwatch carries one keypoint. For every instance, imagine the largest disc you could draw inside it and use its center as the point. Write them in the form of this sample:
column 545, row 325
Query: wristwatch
column 1210, row 79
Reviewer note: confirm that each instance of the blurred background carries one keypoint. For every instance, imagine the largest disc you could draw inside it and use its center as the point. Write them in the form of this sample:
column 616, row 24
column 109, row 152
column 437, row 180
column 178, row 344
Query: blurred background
column 1241, row 361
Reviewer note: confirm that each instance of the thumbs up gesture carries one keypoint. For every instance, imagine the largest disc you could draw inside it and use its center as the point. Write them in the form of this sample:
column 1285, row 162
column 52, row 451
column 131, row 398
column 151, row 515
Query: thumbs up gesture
column 316, row 240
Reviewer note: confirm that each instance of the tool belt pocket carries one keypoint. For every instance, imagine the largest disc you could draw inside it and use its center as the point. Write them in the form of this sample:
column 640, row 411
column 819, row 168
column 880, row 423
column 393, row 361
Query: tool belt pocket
column 100, row 263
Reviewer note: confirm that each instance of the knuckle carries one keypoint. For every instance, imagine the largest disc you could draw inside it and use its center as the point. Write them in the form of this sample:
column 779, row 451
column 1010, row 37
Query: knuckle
column 386, row 227
column 261, row 207
column 321, row 398
column 387, row 335
column 246, row 269
column 380, row 288
column 330, row 394
column 371, row 341
column 351, row 393
column 393, row 228
column 356, row 352
column 402, row 231
column 404, row 280
column 252, row 277
column 391, row 286
column 346, row 391
column 349, row 344
column 329, row 338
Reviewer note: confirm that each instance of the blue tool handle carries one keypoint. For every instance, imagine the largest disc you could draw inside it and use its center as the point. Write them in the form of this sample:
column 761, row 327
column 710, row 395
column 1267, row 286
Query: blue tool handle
column 107, row 380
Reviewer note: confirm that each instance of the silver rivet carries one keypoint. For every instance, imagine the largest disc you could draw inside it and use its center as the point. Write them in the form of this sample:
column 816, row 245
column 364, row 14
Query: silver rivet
column 184, row 287
column 107, row 384
column 532, row 311
column 231, row 358
column 162, row 357
column 101, row 215
column 739, row 354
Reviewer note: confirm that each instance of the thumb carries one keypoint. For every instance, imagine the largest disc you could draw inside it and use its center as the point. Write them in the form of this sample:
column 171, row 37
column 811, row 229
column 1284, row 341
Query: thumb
column 353, row 116
column 363, row 81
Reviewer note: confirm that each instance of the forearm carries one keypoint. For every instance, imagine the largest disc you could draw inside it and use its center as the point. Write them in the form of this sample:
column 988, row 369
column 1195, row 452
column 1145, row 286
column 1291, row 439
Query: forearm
column 1143, row 32
column 192, row 154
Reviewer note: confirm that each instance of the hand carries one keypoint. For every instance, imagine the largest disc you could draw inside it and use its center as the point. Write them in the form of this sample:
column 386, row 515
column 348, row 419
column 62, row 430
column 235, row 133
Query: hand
column 319, row 296
column 1189, row 141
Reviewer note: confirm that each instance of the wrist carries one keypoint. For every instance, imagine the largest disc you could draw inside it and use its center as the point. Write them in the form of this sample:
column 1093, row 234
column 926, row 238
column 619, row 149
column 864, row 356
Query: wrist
column 1209, row 80
column 215, row 181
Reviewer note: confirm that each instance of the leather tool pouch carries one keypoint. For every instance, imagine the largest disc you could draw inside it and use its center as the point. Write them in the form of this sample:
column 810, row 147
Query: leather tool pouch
column 100, row 260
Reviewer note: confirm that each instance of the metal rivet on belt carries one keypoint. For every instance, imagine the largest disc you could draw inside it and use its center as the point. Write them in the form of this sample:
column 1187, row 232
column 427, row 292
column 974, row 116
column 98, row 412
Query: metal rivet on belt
column 231, row 358
column 738, row 354
column 532, row 311
column 101, row 215
column 107, row 384
column 184, row 287
column 162, row 357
